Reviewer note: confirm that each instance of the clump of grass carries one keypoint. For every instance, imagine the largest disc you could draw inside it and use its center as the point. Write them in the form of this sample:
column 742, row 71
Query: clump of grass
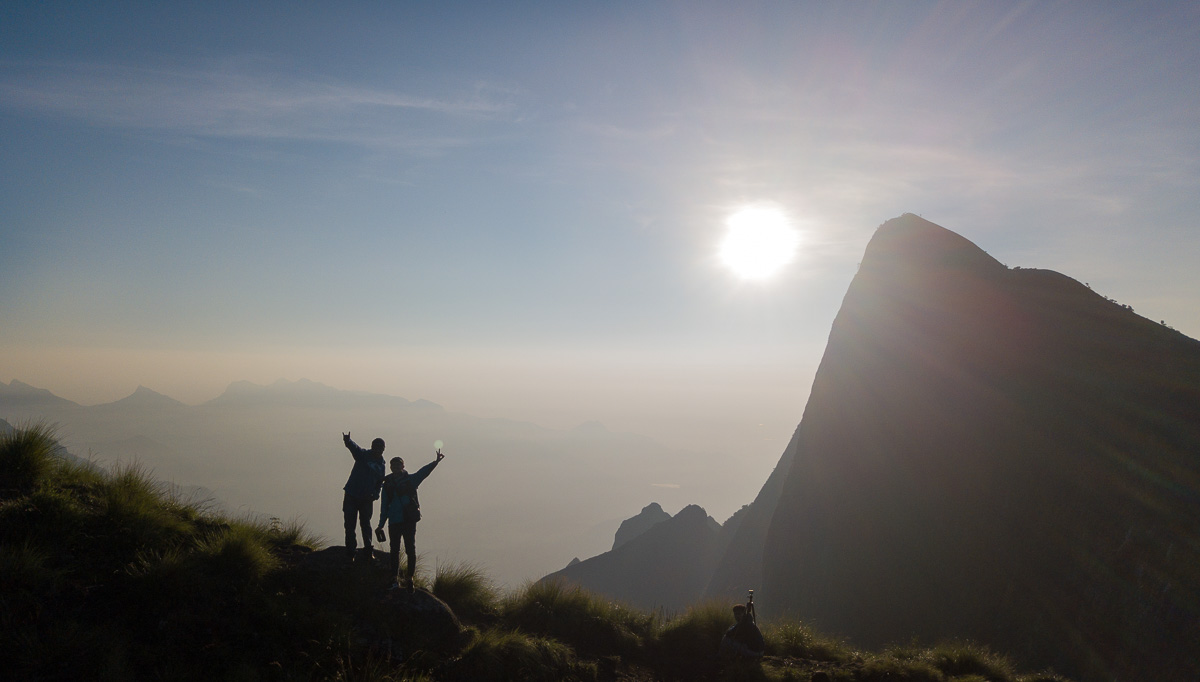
column 959, row 659
column 796, row 640
column 27, row 456
column 236, row 556
column 504, row 655
column 687, row 645
column 888, row 668
column 139, row 513
column 590, row 623
column 467, row 590
column 26, row 573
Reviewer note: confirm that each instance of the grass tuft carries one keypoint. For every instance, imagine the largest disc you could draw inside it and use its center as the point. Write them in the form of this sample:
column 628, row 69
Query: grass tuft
column 27, row 456
column 467, row 590
column 959, row 659
column 796, row 640
column 590, row 623
column 687, row 644
column 502, row 655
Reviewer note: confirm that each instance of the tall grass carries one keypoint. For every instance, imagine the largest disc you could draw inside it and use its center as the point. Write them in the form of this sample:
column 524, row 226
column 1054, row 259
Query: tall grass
column 467, row 590
column 590, row 623
column 687, row 644
column 26, row 457
column 796, row 640
column 504, row 655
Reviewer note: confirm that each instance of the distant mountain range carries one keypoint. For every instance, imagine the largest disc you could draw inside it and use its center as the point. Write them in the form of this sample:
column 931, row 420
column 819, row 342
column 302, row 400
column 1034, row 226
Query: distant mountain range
column 987, row 453
column 276, row 450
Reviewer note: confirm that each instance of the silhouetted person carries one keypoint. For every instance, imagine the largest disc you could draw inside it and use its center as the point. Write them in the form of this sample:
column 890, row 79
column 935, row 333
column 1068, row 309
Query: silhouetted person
column 743, row 640
column 401, row 510
column 362, row 489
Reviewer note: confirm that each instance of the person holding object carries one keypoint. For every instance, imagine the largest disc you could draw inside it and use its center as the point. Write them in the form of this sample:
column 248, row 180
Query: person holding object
column 362, row 489
column 743, row 640
column 401, row 510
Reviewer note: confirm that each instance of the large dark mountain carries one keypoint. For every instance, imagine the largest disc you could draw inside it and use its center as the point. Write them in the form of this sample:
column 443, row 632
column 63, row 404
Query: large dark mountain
column 997, row 454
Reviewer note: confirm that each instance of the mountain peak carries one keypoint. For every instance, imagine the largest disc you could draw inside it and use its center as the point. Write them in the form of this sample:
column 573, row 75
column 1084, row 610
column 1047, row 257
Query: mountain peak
column 145, row 397
column 911, row 242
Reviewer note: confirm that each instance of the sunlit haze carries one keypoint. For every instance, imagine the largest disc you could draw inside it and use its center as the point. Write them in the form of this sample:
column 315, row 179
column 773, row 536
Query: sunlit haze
column 517, row 211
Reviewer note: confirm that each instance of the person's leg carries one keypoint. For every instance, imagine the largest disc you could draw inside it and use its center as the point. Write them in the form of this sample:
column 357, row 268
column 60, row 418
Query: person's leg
column 410, row 551
column 394, row 539
column 349, row 512
column 366, row 510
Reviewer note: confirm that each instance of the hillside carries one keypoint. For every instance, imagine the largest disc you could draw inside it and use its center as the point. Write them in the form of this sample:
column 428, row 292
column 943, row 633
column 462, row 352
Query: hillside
column 998, row 454
column 107, row 575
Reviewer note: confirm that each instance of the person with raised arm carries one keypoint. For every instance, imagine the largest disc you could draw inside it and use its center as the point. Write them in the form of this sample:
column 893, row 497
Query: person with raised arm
column 362, row 489
column 401, row 510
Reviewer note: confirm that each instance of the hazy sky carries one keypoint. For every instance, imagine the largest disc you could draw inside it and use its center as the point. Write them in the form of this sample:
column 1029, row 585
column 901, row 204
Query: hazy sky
column 513, row 209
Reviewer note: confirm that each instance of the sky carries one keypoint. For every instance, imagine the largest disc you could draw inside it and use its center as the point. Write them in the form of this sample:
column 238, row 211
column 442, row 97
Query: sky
column 514, row 209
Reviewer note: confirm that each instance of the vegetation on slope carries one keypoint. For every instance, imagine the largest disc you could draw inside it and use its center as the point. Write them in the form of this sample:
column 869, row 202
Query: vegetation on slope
column 111, row 575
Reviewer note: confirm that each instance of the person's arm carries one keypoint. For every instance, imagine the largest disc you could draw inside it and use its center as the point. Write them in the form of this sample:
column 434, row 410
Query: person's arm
column 353, row 447
column 384, row 502
column 424, row 471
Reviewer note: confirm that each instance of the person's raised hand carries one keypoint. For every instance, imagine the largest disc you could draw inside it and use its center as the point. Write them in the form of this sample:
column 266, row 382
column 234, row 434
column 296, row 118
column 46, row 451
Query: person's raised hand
column 346, row 437
column 440, row 456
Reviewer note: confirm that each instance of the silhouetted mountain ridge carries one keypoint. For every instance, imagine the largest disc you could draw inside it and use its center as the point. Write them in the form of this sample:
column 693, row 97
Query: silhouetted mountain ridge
column 650, row 516
column 997, row 454
column 666, row 566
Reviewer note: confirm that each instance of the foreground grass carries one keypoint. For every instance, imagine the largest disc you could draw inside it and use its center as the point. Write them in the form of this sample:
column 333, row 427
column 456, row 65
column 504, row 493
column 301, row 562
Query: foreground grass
column 112, row 575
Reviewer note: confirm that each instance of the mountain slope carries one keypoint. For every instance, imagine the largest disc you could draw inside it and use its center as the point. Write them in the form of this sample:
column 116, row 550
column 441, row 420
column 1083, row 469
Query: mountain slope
column 996, row 454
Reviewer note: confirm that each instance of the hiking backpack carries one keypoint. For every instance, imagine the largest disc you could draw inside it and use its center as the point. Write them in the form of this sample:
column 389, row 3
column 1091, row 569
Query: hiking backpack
column 411, row 508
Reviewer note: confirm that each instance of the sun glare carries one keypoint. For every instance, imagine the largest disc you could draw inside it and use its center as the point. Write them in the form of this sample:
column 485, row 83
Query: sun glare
column 760, row 240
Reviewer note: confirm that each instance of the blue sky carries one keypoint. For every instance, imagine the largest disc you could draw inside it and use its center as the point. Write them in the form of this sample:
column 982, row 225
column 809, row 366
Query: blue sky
column 513, row 208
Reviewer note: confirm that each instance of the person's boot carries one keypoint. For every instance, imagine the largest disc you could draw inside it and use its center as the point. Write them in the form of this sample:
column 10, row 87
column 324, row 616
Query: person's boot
column 410, row 585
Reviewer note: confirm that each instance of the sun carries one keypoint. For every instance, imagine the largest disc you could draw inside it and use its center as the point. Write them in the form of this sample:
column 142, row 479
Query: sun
column 759, row 241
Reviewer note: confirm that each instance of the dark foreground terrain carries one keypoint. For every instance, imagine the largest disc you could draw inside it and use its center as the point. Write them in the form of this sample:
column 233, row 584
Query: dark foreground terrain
column 110, row 575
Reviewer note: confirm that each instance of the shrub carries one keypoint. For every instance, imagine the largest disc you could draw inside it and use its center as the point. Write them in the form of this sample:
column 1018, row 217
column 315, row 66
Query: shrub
column 506, row 655
column 467, row 590
column 588, row 622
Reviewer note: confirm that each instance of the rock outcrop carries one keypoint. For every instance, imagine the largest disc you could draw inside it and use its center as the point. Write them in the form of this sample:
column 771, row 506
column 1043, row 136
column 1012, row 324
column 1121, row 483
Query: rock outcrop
column 650, row 516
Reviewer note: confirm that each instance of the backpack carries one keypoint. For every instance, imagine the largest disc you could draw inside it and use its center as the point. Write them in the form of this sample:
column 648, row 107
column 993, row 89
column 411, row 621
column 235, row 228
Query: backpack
column 412, row 507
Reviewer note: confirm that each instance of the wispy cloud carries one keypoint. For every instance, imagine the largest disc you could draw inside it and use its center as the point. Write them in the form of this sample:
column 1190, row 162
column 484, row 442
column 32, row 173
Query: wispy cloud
column 235, row 102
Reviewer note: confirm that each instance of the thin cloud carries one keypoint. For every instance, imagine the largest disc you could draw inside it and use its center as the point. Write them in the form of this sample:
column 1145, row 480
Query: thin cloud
column 233, row 103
